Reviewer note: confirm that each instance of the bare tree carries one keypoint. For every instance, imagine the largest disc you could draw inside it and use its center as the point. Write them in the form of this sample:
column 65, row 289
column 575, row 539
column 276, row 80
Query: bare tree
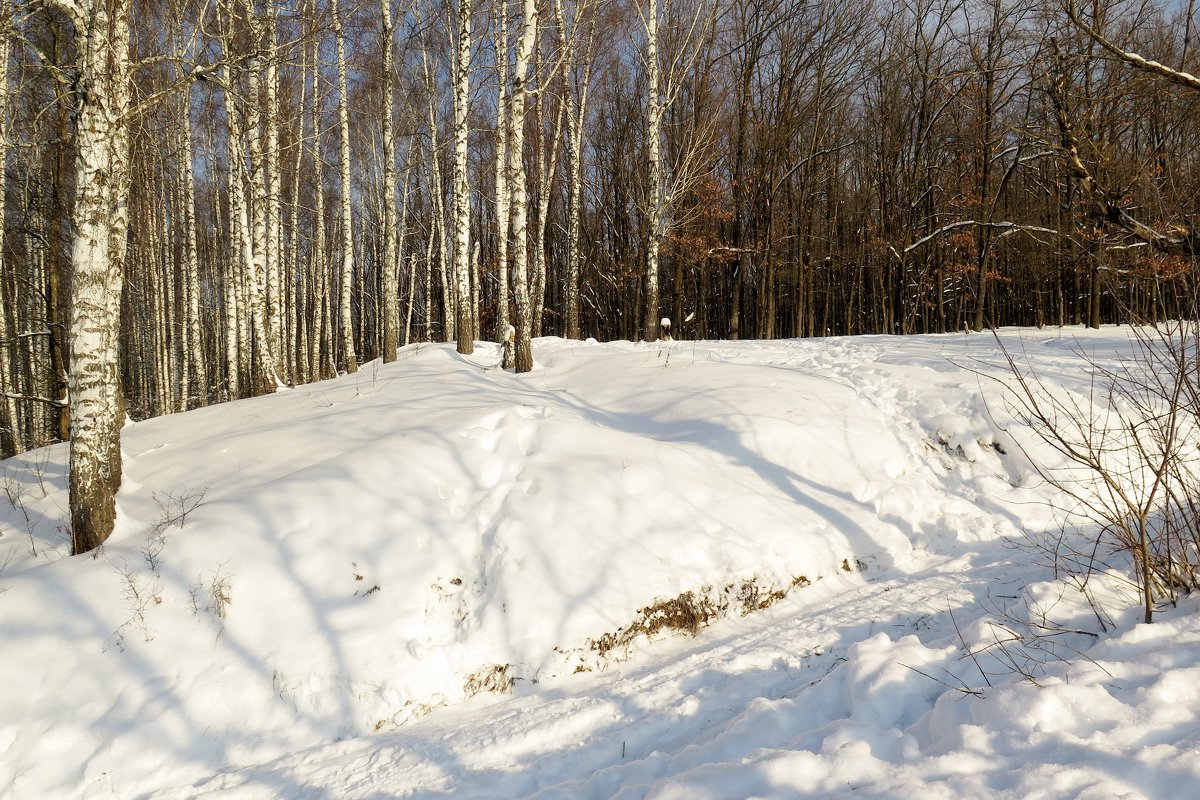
column 576, row 65
column 663, row 87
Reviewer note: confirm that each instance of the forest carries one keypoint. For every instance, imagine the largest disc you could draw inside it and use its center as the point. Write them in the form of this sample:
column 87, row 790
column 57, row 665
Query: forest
column 283, row 191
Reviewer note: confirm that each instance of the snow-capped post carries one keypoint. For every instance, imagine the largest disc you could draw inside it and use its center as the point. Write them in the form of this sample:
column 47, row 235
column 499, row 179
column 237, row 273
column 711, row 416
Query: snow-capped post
column 100, row 216
column 664, row 329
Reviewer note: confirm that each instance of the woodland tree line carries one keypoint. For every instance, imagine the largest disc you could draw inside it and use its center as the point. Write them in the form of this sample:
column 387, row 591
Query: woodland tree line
column 208, row 199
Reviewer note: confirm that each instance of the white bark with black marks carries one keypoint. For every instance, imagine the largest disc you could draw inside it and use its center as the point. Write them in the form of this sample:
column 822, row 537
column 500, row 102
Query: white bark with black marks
column 462, row 197
column 101, row 218
column 346, row 294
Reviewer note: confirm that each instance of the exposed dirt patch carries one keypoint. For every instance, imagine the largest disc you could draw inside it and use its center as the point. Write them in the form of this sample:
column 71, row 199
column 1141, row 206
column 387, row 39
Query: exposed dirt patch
column 687, row 613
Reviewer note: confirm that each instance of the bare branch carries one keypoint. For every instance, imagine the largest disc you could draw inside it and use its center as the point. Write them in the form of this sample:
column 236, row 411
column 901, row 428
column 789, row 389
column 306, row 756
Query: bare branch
column 1175, row 76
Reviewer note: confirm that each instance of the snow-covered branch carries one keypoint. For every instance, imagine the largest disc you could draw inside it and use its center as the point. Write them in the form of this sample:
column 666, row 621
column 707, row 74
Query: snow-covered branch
column 34, row 399
column 1007, row 227
column 1176, row 240
column 1175, row 76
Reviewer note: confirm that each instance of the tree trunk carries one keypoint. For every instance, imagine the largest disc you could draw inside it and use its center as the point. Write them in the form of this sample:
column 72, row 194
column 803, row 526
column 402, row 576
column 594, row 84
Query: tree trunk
column 462, row 198
column 273, row 207
column 345, row 322
column 516, row 180
column 101, row 218
column 576, row 116
column 388, row 263
column 503, row 200
column 8, row 406
column 654, row 177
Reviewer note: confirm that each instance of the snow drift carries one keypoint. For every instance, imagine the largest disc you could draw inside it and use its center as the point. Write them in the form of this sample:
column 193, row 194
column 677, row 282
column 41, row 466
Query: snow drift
column 357, row 559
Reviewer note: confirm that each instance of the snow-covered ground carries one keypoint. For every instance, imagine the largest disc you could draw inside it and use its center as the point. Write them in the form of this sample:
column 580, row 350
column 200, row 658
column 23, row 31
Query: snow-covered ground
column 685, row 570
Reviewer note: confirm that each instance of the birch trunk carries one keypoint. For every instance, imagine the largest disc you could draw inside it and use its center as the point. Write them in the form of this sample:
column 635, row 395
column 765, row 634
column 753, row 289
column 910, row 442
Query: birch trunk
column 273, row 207
column 193, row 336
column 437, row 227
column 101, row 218
column 233, row 270
column 516, row 181
column 264, row 377
column 8, row 406
column 399, row 256
column 462, row 198
column 318, row 330
column 654, row 210
column 347, row 279
column 293, row 279
column 503, row 200
column 388, row 286
column 430, row 254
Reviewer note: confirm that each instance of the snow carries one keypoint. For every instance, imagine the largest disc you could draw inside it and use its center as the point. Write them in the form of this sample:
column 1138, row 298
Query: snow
column 437, row 578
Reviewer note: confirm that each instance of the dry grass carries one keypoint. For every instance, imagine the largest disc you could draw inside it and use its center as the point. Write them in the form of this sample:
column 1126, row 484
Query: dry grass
column 690, row 611
column 494, row 678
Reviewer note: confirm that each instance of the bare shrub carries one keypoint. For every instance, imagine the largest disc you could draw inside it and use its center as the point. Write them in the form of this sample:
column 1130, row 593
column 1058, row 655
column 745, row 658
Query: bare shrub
column 174, row 509
column 17, row 495
column 176, row 506
column 1130, row 455
column 140, row 594
column 212, row 594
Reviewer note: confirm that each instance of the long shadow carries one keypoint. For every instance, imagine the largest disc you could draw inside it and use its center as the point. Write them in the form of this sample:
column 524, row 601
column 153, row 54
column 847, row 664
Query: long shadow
column 726, row 442
column 725, row 719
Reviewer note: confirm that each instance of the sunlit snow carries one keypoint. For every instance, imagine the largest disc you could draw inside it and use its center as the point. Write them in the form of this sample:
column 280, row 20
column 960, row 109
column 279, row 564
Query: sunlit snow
column 436, row 578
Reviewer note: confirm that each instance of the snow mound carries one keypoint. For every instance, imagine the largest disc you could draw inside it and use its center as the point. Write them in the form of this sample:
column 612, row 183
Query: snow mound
column 437, row 576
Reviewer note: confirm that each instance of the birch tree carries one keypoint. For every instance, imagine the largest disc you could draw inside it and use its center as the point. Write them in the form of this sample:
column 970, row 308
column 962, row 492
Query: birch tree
column 437, row 227
column 268, row 41
column 250, row 200
column 194, row 378
column 516, row 181
column 101, row 217
column 388, row 288
column 654, row 171
column 462, row 197
column 503, row 201
column 662, row 89
column 8, row 405
column 345, row 322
